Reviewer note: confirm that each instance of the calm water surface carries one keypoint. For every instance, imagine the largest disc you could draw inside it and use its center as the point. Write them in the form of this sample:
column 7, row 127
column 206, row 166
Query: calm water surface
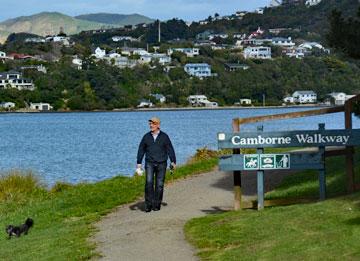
column 76, row 147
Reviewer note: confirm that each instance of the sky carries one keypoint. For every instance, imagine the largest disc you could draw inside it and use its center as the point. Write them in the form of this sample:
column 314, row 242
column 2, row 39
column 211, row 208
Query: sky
column 188, row 10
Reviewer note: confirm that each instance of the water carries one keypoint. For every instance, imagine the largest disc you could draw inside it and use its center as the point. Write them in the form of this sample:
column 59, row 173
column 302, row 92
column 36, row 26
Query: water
column 75, row 147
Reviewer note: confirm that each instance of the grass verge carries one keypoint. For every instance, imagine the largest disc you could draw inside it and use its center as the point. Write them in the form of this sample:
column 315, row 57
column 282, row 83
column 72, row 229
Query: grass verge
column 328, row 230
column 63, row 215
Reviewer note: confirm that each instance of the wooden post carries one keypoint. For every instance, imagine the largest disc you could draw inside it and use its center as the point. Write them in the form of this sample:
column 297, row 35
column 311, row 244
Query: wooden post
column 349, row 151
column 237, row 174
column 322, row 172
column 260, row 179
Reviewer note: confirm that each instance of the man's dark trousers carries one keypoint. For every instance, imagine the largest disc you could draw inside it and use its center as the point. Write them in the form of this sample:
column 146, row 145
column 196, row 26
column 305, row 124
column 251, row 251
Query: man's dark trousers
column 155, row 172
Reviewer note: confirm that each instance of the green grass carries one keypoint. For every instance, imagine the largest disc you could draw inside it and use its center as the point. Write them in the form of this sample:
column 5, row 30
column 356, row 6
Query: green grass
column 63, row 215
column 328, row 230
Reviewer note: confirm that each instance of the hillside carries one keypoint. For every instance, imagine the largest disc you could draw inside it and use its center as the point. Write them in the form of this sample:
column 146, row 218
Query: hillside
column 117, row 19
column 46, row 23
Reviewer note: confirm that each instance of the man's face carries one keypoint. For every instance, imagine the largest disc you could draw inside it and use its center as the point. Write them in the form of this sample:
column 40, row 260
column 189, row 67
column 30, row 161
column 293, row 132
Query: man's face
column 154, row 126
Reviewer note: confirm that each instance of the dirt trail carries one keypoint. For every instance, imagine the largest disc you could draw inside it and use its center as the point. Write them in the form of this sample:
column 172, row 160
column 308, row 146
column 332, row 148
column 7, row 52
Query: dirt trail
column 131, row 234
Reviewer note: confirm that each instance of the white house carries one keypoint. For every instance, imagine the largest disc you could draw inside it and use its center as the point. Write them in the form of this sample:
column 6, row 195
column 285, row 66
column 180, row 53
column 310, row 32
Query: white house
column 289, row 99
column 259, row 11
column 7, row 105
column 99, row 53
column 297, row 52
column 190, row 52
column 200, row 100
column 311, row 45
column 41, row 106
column 159, row 97
column 304, row 97
column 139, row 52
column 145, row 104
column 13, row 79
column 283, row 42
column 339, row 98
column 77, row 62
column 312, row 2
column 198, row 69
column 34, row 40
column 245, row 101
column 220, row 35
column 2, row 55
column 162, row 58
column 257, row 52
column 123, row 38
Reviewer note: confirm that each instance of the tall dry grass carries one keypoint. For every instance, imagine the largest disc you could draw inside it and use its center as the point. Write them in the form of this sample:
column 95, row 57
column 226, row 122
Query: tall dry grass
column 19, row 186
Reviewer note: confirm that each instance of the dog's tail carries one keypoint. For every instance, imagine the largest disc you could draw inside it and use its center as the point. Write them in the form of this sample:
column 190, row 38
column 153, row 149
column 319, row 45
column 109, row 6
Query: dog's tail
column 29, row 222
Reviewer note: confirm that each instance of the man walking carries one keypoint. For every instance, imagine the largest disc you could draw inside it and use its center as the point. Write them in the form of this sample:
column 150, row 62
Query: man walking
column 157, row 147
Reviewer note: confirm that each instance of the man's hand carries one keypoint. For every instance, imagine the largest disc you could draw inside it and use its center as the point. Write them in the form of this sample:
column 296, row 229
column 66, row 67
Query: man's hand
column 139, row 170
column 138, row 166
column 173, row 165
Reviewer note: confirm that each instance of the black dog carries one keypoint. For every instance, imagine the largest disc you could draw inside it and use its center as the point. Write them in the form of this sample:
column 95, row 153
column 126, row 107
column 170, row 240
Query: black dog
column 18, row 230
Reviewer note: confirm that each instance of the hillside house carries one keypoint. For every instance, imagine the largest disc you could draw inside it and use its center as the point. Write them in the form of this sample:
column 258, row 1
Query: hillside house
column 257, row 52
column 7, row 105
column 77, row 62
column 124, row 38
column 339, row 98
column 159, row 97
column 304, row 97
column 99, row 53
column 312, row 2
column 198, row 69
column 200, row 100
column 204, row 35
column 282, row 42
column 231, row 67
column 41, row 106
column 13, row 79
column 218, row 35
column 190, row 52
column 145, row 104
column 2, row 55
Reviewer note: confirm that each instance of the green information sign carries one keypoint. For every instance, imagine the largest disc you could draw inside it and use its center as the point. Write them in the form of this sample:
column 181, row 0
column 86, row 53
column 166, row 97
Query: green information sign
column 266, row 161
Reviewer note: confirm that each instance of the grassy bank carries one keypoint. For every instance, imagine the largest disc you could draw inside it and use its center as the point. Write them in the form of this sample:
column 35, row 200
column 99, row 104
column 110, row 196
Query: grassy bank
column 326, row 230
column 63, row 215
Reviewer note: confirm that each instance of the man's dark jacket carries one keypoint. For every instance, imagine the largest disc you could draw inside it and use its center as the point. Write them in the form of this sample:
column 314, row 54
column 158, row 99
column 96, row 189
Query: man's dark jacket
column 156, row 151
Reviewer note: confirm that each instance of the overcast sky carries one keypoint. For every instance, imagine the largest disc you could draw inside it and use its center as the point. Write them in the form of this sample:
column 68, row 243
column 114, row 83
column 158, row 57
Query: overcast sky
column 188, row 10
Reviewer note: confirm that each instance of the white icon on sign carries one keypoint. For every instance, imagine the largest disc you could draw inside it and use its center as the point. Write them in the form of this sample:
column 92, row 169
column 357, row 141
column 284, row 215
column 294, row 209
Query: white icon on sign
column 252, row 163
column 284, row 162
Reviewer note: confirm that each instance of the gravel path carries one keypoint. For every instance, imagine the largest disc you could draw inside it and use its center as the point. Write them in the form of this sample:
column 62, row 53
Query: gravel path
column 130, row 234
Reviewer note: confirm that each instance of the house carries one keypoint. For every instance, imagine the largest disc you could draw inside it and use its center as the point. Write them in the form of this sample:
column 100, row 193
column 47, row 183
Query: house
column 123, row 38
column 292, row 2
column 7, row 105
column 204, row 35
column 283, row 42
column 304, row 97
column 289, row 99
column 77, row 62
column 245, row 101
column 259, row 11
column 296, row 52
column 159, row 97
column 240, row 13
column 125, row 62
column 204, row 43
column 40, row 106
column 145, row 59
column 198, row 69
column 257, row 52
column 278, row 30
column 39, row 68
column 133, row 51
column 311, row 45
column 312, row 2
column 13, row 79
column 19, row 56
column 231, row 67
column 162, row 58
column 35, row 40
column 190, row 52
column 2, row 55
column 99, row 53
column 200, row 100
column 239, row 36
column 203, row 22
column 145, row 104
column 339, row 98
column 218, row 35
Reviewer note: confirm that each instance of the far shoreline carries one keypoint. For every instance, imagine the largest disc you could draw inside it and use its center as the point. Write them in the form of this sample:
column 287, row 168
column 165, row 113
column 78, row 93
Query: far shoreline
column 159, row 109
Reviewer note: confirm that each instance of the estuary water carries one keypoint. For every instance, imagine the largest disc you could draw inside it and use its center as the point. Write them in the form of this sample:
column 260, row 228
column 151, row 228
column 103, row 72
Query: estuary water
column 76, row 147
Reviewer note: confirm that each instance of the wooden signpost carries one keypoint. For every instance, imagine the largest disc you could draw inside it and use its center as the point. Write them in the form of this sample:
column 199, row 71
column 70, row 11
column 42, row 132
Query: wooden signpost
column 261, row 162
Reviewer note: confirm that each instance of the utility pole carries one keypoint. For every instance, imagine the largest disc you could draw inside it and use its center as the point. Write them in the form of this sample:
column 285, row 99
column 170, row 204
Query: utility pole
column 159, row 30
column 263, row 99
